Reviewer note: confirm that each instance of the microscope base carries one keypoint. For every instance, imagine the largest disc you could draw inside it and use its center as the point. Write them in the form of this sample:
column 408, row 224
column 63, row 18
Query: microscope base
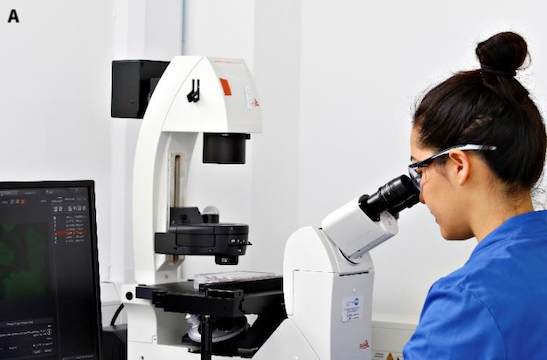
column 285, row 343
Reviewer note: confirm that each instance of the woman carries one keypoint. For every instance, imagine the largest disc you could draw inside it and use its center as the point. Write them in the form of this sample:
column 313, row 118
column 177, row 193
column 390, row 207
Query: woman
column 478, row 142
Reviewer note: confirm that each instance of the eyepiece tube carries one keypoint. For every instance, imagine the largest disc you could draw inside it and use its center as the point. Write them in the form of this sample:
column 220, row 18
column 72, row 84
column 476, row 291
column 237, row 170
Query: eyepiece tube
column 395, row 196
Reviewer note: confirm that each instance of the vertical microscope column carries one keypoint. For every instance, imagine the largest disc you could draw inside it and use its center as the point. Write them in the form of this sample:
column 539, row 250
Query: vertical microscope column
column 148, row 326
column 151, row 172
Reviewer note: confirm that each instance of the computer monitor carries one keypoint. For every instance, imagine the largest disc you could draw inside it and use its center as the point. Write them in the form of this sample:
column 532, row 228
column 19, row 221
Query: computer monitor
column 49, row 277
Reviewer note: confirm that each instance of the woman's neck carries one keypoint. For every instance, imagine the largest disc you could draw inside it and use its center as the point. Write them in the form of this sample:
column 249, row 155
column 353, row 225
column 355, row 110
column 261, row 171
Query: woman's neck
column 489, row 215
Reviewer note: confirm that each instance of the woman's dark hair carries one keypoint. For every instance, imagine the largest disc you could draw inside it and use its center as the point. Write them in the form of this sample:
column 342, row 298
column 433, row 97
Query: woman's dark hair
column 489, row 106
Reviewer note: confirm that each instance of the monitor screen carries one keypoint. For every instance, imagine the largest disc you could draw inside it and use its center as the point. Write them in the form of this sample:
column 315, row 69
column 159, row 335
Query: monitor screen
column 49, row 279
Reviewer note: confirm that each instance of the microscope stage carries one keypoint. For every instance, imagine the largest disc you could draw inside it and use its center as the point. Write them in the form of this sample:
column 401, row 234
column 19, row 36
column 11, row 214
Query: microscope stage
column 228, row 299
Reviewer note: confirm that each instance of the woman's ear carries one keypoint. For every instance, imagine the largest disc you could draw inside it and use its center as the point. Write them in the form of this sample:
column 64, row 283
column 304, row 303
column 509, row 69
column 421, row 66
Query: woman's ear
column 461, row 166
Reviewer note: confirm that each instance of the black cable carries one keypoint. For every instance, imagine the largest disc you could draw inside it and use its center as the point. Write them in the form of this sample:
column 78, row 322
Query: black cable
column 115, row 317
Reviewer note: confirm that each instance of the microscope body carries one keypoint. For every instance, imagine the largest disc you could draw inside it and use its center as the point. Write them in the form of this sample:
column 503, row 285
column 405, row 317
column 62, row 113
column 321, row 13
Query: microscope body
column 328, row 296
column 194, row 94
column 223, row 102
column 328, row 273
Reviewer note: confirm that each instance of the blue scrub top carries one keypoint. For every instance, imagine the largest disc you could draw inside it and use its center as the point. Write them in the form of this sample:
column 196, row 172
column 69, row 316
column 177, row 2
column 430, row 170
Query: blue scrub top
column 495, row 306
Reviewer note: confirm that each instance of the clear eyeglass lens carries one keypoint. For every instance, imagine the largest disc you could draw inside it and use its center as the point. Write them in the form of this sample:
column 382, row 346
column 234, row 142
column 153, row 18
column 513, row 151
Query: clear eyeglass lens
column 416, row 177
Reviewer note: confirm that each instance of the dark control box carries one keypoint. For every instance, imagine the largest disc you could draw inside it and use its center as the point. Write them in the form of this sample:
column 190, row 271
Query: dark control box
column 133, row 82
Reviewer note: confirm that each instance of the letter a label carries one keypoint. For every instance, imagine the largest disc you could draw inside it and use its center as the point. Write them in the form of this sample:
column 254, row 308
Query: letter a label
column 13, row 16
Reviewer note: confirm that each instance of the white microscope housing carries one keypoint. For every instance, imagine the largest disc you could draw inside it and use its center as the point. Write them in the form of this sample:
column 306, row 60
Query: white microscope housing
column 194, row 95
column 227, row 104
column 327, row 272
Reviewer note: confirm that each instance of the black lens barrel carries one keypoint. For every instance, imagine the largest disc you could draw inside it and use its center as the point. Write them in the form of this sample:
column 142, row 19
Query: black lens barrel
column 226, row 148
column 396, row 195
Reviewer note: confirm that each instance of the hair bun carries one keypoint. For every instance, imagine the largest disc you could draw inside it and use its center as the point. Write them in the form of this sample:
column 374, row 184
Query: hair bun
column 504, row 52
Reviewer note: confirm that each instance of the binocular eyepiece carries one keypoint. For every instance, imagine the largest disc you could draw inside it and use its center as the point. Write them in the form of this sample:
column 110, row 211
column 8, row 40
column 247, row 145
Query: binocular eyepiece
column 395, row 196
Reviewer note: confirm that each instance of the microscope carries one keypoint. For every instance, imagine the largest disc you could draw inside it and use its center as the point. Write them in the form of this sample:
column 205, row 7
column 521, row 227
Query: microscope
column 320, row 309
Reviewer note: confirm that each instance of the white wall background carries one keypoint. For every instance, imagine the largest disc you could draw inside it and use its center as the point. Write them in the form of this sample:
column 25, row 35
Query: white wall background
column 337, row 81
column 362, row 68
column 54, row 107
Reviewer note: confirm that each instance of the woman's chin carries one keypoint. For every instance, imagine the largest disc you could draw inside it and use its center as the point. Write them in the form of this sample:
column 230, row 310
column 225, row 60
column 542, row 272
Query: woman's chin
column 454, row 235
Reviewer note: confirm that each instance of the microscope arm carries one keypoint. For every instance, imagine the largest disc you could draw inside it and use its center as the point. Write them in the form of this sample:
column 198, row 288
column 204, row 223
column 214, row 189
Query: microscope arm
column 354, row 233
column 366, row 222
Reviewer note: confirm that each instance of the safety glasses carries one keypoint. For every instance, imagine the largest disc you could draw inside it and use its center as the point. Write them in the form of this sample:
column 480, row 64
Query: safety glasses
column 415, row 169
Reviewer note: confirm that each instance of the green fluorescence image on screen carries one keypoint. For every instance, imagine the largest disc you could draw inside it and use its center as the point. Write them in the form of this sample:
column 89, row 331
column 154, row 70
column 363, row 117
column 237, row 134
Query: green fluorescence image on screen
column 24, row 270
